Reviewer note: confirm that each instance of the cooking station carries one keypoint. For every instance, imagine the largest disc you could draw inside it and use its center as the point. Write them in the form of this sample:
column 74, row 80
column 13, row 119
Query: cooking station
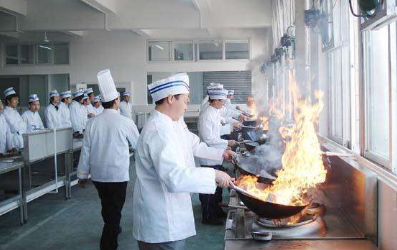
column 343, row 215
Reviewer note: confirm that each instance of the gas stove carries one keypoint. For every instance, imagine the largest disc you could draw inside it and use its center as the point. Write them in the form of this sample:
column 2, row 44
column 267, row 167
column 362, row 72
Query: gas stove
column 321, row 224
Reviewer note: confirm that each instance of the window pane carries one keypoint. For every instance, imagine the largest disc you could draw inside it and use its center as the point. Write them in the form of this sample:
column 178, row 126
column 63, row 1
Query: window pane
column 26, row 54
column 61, row 53
column 183, row 51
column 210, row 50
column 159, row 51
column 237, row 50
column 377, row 89
column 11, row 54
column 44, row 55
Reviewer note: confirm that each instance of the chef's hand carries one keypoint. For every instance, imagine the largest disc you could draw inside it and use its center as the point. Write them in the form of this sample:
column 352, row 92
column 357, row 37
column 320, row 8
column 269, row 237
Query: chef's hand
column 241, row 118
column 231, row 143
column 222, row 179
column 238, row 108
column 82, row 182
column 223, row 123
column 236, row 125
column 228, row 155
column 90, row 115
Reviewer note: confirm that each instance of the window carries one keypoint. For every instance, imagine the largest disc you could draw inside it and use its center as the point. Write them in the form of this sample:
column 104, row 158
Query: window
column 377, row 89
column 61, row 53
column 45, row 53
column 27, row 54
column 237, row 50
column 183, row 51
column 159, row 51
column 210, row 50
column 11, row 54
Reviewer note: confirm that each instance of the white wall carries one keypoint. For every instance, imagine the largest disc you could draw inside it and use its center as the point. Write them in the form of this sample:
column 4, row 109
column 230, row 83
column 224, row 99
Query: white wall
column 124, row 53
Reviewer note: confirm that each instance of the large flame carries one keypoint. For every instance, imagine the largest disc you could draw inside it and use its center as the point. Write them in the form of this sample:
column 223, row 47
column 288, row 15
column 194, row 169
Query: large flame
column 302, row 165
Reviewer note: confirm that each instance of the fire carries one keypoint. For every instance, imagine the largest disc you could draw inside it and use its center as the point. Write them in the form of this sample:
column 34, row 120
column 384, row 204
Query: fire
column 302, row 165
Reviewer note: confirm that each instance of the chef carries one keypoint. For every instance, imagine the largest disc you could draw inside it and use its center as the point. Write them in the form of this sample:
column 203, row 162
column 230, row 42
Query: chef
column 14, row 120
column 86, row 112
column 64, row 112
column 76, row 113
column 90, row 109
column 209, row 131
column 230, row 97
column 5, row 133
column 31, row 116
column 166, row 172
column 98, row 108
column 126, row 106
column 105, row 156
column 51, row 113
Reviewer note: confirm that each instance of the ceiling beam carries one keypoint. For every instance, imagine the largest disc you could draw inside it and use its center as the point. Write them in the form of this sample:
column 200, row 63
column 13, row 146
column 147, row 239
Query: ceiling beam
column 14, row 6
column 104, row 6
column 73, row 33
column 142, row 32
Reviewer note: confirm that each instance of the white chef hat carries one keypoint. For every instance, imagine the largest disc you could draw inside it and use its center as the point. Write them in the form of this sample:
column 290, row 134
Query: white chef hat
column 66, row 94
column 107, row 87
column 89, row 91
column 215, row 86
column 217, row 94
column 9, row 91
column 230, row 92
column 85, row 97
column 97, row 98
column 54, row 93
column 173, row 85
column 126, row 93
column 78, row 93
column 33, row 98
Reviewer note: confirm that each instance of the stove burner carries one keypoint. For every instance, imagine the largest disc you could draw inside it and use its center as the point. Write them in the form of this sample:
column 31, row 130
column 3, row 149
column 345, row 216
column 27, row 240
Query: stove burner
column 308, row 223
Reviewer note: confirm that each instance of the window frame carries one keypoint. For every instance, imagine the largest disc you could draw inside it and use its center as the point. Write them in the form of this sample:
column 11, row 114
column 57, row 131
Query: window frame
column 238, row 41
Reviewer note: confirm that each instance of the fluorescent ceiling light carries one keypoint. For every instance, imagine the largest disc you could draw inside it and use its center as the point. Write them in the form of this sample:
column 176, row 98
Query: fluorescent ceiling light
column 158, row 46
column 45, row 47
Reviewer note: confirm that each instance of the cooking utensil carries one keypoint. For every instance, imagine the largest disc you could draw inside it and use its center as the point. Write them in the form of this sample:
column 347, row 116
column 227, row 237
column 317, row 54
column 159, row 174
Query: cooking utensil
column 266, row 209
column 247, row 166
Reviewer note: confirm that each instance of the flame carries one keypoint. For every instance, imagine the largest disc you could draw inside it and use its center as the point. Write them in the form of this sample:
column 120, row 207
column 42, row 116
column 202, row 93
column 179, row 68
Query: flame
column 302, row 165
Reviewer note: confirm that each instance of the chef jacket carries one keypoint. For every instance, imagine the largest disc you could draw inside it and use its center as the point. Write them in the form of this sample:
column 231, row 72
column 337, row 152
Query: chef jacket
column 33, row 121
column 17, row 126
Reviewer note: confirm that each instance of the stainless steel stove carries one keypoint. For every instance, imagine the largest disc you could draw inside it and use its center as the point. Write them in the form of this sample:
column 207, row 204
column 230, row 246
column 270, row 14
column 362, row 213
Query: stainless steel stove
column 345, row 217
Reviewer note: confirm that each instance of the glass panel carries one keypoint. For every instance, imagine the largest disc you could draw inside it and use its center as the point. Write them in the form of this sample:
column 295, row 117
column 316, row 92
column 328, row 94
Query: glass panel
column 159, row 51
column 27, row 54
column 377, row 89
column 12, row 54
column 61, row 53
column 44, row 55
column 183, row 51
column 210, row 50
column 237, row 50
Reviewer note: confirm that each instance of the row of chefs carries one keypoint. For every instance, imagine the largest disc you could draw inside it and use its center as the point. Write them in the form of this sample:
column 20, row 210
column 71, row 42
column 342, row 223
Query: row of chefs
column 65, row 110
column 165, row 169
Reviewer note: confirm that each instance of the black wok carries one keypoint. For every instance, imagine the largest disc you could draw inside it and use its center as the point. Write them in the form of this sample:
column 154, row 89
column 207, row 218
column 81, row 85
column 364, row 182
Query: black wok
column 248, row 167
column 266, row 209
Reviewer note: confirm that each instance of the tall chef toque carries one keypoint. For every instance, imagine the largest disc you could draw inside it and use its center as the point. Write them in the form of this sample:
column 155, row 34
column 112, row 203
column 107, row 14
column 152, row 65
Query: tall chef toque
column 173, row 85
column 107, row 88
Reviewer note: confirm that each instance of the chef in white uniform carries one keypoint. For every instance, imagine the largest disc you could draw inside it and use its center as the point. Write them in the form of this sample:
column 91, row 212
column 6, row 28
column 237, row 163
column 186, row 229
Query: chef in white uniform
column 86, row 102
column 105, row 156
column 98, row 108
column 5, row 133
column 13, row 118
column 126, row 106
column 51, row 113
column 90, row 108
column 77, row 116
column 64, row 112
column 209, row 131
column 31, row 116
column 166, row 172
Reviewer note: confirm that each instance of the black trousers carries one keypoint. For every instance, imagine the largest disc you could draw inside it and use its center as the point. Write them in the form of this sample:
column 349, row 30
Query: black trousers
column 112, row 196
column 210, row 202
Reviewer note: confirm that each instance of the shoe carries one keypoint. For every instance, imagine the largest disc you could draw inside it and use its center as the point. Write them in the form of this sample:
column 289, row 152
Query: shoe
column 213, row 222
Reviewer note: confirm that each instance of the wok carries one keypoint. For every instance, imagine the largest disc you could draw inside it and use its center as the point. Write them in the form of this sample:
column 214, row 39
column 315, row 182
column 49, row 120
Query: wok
column 266, row 209
column 246, row 166
column 250, row 145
